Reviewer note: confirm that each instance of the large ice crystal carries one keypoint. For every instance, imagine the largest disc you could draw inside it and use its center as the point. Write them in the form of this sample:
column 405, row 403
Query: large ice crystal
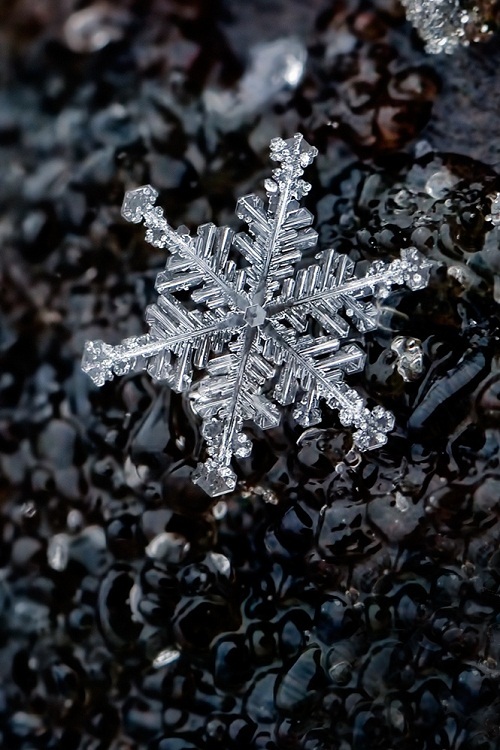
column 264, row 328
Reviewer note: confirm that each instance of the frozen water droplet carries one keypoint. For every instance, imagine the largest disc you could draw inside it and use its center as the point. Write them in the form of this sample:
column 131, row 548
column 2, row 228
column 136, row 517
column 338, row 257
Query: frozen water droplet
column 440, row 183
column 74, row 520
column 402, row 503
column 219, row 510
column 340, row 673
column 221, row 563
column 168, row 546
column 58, row 552
column 242, row 446
column 93, row 28
column 166, row 657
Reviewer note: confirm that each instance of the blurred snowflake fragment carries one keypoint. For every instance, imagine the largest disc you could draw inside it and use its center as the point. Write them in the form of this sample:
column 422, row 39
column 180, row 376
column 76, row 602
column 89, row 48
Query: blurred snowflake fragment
column 444, row 25
column 264, row 328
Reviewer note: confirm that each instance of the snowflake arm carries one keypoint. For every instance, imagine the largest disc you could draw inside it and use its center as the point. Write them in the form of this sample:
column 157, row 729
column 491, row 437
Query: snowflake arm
column 315, row 367
column 329, row 288
column 277, row 237
column 203, row 260
column 177, row 340
column 330, row 294
column 229, row 395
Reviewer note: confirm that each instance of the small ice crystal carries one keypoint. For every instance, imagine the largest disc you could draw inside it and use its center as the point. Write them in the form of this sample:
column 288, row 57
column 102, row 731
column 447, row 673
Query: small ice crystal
column 410, row 358
column 265, row 333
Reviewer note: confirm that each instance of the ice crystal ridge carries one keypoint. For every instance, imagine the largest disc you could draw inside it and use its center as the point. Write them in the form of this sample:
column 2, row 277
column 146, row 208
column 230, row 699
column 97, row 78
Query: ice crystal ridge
column 265, row 332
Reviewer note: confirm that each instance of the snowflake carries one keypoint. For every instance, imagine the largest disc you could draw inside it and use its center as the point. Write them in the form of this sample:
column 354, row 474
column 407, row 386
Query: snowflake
column 264, row 328
column 444, row 25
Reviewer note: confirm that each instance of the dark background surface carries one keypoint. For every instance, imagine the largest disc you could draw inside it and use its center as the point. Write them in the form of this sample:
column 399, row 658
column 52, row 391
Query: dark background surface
column 357, row 609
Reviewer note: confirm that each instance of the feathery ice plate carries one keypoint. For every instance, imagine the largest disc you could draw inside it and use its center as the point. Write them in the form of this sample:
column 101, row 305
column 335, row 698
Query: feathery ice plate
column 265, row 332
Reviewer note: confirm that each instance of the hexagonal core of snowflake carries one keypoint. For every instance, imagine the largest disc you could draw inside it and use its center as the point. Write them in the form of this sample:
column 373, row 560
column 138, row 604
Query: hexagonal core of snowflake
column 255, row 316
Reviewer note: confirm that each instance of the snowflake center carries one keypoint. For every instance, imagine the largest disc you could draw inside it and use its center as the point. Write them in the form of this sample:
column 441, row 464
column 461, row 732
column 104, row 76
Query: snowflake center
column 255, row 316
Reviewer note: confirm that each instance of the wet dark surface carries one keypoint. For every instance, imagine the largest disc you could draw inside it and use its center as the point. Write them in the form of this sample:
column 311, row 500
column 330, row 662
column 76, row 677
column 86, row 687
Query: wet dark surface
column 358, row 609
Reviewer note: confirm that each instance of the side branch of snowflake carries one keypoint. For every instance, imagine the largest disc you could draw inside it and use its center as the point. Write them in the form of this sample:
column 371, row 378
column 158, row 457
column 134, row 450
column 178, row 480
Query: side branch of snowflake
column 257, row 333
